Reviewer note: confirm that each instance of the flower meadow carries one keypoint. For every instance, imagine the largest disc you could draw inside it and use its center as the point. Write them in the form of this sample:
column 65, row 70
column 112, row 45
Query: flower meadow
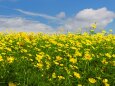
column 38, row 59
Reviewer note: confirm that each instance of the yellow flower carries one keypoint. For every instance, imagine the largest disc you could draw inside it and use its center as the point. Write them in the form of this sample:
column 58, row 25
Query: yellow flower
column 1, row 59
column 79, row 85
column 73, row 60
column 87, row 56
column 113, row 55
column 106, row 84
column 94, row 26
column 108, row 55
column 77, row 53
column 39, row 65
column 47, row 65
column 104, row 61
column 24, row 51
column 10, row 41
column 105, row 80
column 58, row 58
column 53, row 75
column 29, row 54
column 92, row 80
column 113, row 63
column 10, row 59
column 8, row 49
column 61, row 64
column 38, row 57
column 77, row 75
column 61, row 77
column 11, row 84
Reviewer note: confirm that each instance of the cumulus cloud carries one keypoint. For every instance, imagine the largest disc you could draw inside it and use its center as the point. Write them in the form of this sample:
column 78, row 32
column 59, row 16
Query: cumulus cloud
column 21, row 24
column 86, row 17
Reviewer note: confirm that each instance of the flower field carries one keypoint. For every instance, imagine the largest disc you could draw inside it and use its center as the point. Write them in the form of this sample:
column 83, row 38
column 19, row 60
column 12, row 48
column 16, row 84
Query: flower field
column 29, row 59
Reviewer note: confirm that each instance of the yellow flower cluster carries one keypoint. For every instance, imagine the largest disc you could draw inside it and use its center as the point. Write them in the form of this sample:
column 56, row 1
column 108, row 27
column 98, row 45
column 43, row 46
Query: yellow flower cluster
column 59, row 58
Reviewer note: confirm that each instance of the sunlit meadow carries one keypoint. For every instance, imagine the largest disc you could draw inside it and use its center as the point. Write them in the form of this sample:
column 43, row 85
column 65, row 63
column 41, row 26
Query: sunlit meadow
column 38, row 59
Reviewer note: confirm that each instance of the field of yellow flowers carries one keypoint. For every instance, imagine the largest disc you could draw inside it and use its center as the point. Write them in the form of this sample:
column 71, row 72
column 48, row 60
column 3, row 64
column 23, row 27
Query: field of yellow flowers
column 29, row 59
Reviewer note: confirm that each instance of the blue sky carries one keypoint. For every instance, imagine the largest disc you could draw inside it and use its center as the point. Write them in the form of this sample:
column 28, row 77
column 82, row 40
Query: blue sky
column 56, row 15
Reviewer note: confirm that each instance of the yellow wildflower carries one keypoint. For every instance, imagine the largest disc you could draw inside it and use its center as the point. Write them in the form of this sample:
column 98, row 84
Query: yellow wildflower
column 47, row 65
column 73, row 60
column 10, row 41
column 94, row 26
column 79, row 85
column 105, row 80
column 24, row 51
column 8, row 49
column 113, row 55
column 106, row 84
column 77, row 75
column 11, row 84
column 29, row 54
column 38, row 57
column 58, row 58
column 61, row 77
column 104, row 61
column 61, row 64
column 1, row 59
column 77, row 53
column 10, row 59
column 87, row 56
column 113, row 63
column 108, row 55
column 39, row 65
column 54, row 75
column 92, row 80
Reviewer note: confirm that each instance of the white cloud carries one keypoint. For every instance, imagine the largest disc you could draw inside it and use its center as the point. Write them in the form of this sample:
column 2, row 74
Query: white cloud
column 82, row 19
column 61, row 15
column 58, row 17
column 37, row 14
column 86, row 17
column 21, row 24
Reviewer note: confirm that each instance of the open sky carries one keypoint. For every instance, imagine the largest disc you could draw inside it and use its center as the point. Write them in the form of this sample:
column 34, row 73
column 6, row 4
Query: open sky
column 56, row 15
